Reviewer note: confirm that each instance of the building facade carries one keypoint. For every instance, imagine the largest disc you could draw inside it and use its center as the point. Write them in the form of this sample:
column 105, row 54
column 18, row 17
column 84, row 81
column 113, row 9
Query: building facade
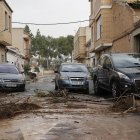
column 5, row 29
column 114, row 26
column 79, row 45
column 22, row 42
column 82, row 45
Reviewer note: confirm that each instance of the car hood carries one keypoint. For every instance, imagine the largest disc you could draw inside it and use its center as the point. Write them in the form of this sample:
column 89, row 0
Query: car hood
column 10, row 76
column 74, row 74
column 134, row 72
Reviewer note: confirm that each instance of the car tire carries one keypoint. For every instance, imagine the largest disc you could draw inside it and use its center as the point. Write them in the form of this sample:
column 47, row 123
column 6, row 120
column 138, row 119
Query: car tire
column 97, row 89
column 22, row 89
column 87, row 91
column 115, row 90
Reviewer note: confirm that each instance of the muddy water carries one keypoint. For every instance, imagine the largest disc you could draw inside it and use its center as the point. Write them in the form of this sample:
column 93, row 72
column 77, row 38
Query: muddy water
column 30, row 128
column 70, row 121
column 70, row 127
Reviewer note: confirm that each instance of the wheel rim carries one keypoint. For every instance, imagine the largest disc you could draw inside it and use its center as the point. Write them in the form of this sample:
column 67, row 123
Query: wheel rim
column 114, row 90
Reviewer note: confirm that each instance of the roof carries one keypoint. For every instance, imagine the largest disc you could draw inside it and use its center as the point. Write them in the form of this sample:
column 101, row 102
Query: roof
column 7, row 5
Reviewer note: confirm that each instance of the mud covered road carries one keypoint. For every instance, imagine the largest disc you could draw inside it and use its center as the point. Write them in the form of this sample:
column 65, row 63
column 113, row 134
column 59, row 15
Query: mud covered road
column 74, row 117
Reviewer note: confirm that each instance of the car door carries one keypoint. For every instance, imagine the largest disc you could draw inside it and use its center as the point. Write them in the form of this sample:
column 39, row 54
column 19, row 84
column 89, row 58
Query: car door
column 107, row 70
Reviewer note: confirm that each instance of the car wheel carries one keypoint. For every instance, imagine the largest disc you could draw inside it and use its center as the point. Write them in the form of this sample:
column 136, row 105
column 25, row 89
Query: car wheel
column 96, row 87
column 87, row 91
column 22, row 89
column 115, row 90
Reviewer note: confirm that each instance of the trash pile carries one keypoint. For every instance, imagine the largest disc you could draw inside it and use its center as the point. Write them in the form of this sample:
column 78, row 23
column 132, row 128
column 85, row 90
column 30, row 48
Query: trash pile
column 58, row 93
column 8, row 110
column 126, row 104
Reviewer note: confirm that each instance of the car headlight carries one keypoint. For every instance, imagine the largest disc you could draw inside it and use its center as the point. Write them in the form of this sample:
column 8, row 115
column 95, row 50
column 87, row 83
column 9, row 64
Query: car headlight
column 63, row 77
column 89, row 77
column 123, row 76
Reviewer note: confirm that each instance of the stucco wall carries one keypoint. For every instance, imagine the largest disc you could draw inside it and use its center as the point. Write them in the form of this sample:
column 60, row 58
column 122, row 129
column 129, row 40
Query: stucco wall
column 5, row 36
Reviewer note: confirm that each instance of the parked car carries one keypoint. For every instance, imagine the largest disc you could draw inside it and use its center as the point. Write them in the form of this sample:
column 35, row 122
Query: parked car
column 72, row 76
column 11, row 78
column 117, row 73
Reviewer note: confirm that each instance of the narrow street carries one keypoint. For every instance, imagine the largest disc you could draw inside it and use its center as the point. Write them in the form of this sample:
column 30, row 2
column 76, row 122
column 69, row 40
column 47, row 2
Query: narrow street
column 78, row 117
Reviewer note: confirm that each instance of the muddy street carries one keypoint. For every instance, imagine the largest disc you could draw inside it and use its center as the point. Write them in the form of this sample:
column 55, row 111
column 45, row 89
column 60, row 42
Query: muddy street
column 65, row 116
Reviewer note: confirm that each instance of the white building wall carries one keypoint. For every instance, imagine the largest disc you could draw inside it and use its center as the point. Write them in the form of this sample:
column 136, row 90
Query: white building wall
column 11, row 58
column 16, row 60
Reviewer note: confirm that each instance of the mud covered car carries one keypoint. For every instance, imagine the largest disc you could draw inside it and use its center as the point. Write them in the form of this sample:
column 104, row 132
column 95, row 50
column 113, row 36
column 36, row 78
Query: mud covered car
column 118, row 73
column 73, row 76
column 11, row 78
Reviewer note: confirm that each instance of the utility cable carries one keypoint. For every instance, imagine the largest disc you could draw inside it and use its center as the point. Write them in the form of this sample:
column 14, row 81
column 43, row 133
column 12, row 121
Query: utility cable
column 61, row 23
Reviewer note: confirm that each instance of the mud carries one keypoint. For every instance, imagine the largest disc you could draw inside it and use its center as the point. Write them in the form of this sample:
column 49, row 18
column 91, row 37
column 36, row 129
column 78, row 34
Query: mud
column 9, row 108
column 72, row 117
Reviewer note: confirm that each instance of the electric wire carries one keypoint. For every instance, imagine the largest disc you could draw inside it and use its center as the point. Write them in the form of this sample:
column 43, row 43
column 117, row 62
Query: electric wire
column 59, row 23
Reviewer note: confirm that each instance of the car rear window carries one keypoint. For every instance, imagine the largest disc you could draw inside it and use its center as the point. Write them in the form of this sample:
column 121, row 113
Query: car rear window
column 8, row 69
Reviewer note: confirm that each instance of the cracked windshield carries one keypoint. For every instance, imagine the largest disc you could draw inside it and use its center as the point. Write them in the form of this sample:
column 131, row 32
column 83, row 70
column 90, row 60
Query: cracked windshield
column 70, row 70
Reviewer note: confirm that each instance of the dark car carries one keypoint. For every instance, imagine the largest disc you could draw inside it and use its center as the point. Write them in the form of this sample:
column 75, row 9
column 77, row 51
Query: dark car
column 117, row 73
column 73, row 76
column 11, row 78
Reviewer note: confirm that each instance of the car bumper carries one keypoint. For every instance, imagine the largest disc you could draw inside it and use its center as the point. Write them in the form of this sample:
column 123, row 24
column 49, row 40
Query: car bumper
column 129, row 87
column 12, row 86
column 66, row 84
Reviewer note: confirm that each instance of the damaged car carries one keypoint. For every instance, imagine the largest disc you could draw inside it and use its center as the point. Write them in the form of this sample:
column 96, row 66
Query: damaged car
column 117, row 73
column 73, row 76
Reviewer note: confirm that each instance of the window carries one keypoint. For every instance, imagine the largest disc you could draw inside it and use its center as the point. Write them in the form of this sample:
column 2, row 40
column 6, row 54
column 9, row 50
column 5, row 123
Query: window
column 92, row 34
column 98, row 28
column 91, row 8
column 8, row 69
column 9, row 24
column 6, row 22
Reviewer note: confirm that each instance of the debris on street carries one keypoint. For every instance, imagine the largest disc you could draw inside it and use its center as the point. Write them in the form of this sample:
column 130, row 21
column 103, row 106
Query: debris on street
column 59, row 93
column 126, row 104
column 8, row 110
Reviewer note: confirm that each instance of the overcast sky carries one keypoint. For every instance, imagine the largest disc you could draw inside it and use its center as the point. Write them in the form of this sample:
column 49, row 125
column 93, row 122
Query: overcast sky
column 50, row 11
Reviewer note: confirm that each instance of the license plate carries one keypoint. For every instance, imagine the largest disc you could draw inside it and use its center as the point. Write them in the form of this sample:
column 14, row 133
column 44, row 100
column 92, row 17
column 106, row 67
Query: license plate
column 11, row 85
column 77, row 83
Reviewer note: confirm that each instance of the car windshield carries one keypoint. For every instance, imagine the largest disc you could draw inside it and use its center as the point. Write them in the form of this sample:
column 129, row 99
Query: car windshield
column 8, row 69
column 126, row 60
column 74, row 68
